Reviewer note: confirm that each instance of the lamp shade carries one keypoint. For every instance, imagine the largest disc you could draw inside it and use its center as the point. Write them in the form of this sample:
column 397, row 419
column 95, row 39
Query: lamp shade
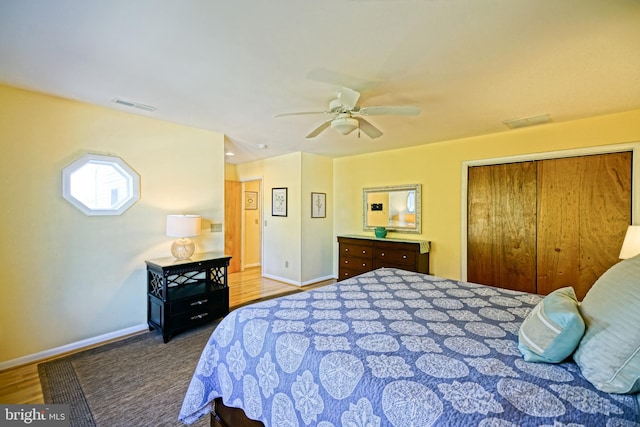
column 631, row 244
column 183, row 225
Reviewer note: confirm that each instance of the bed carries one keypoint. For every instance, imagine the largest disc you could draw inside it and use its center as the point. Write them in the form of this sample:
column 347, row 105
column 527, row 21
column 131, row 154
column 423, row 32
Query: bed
column 391, row 348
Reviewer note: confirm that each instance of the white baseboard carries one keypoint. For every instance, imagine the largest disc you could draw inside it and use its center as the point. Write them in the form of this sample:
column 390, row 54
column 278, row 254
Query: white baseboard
column 47, row 354
column 296, row 283
column 281, row 279
column 319, row 279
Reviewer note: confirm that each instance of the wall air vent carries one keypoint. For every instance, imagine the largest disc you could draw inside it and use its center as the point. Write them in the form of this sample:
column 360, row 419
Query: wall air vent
column 527, row 121
column 133, row 104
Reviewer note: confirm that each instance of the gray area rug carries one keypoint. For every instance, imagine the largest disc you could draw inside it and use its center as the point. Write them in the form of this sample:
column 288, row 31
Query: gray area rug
column 136, row 382
column 139, row 381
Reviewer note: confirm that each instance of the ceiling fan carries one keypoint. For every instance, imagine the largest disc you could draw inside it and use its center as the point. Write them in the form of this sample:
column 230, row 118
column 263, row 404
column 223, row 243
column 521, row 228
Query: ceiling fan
column 347, row 115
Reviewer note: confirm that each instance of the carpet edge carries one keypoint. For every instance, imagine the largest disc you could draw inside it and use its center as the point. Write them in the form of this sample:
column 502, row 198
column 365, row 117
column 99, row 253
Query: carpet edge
column 80, row 412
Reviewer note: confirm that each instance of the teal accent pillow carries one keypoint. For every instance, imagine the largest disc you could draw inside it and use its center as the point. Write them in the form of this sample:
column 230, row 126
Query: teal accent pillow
column 553, row 329
column 609, row 353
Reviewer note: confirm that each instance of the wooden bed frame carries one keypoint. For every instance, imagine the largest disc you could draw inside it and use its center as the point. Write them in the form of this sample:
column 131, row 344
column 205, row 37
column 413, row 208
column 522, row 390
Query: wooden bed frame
column 224, row 416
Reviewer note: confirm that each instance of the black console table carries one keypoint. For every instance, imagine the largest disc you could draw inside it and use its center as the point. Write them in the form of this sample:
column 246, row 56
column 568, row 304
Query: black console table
column 185, row 293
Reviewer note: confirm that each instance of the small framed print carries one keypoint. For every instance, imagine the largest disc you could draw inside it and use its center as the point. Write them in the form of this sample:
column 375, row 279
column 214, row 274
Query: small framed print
column 279, row 201
column 250, row 200
column 318, row 205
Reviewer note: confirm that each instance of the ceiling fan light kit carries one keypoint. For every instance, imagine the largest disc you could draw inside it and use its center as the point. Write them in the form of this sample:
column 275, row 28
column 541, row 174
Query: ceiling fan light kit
column 345, row 125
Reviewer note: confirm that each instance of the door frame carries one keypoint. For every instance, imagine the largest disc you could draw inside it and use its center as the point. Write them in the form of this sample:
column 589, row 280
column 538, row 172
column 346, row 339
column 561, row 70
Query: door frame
column 634, row 147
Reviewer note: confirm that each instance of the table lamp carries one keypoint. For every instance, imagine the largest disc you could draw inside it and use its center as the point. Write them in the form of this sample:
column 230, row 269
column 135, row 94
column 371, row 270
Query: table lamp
column 631, row 244
column 183, row 227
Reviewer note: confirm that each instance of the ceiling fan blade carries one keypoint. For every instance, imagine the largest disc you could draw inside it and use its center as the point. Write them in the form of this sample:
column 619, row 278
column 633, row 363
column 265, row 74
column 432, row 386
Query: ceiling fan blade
column 339, row 79
column 319, row 129
column 348, row 97
column 300, row 113
column 389, row 111
column 366, row 127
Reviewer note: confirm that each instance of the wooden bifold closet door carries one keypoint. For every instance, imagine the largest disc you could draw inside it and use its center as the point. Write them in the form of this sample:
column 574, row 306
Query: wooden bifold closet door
column 542, row 225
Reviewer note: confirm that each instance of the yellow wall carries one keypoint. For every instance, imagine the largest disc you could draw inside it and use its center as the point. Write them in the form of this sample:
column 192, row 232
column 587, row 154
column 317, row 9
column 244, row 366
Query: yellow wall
column 230, row 172
column 68, row 277
column 438, row 168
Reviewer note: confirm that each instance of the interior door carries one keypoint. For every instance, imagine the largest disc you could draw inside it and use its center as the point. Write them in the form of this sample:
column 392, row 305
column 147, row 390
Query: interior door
column 501, row 225
column 233, row 224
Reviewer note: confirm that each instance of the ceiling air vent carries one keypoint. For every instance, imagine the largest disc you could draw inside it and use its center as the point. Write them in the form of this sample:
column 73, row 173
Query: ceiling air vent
column 133, row 104
column 527, row 121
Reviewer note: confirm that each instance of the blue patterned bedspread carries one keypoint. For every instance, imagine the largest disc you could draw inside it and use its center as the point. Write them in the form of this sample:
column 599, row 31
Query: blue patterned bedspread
column 393, row 348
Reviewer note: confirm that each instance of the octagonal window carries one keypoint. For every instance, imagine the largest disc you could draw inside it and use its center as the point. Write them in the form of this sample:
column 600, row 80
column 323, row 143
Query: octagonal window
column 100, row 185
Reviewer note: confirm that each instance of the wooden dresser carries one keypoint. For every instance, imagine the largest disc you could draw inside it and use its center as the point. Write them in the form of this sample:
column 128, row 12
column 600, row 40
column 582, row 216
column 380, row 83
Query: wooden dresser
column 359, row 254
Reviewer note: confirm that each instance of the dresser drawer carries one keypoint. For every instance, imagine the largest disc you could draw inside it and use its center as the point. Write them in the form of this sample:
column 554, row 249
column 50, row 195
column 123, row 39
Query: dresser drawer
column 386, row 256
column 361, row 265
column 346, row 273
column 356, row 250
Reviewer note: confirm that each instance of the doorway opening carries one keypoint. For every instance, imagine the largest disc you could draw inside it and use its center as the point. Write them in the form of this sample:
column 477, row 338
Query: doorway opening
column 252, row 220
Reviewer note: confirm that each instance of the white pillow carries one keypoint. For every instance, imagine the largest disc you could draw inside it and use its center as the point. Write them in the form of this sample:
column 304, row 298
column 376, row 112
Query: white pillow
column 609, row 352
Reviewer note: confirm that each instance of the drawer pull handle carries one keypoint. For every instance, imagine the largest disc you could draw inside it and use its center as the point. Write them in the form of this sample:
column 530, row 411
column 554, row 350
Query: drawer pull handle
column 364, row 265
column 346, row 250
column 382, row 254
column 364, row 252
column 202, row 301
column 404, row 256
column 346, row 261
column 199, row 316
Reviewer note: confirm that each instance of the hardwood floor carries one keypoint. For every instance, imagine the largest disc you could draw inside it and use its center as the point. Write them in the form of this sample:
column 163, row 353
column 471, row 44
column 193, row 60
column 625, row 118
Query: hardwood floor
column 21, row 385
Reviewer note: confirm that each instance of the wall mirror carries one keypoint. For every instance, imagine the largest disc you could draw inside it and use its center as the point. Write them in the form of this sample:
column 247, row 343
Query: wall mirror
column 100, row 185
column 397, row 208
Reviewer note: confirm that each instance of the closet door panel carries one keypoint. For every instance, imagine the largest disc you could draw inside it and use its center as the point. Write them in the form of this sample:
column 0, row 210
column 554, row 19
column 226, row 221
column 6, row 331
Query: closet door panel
column 558, row 233
column 584, row 208
column 501, row 220
column 605, row 200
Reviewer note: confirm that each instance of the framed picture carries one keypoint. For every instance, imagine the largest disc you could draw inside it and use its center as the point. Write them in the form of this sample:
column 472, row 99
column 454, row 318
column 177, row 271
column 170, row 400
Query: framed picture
column 318, row 205
column 279, row 202
column 250, row 200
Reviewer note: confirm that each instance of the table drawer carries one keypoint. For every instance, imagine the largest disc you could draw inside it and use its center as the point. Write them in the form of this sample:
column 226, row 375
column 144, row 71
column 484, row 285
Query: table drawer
column 191, row 304
column 188, row 319
column 217, row 299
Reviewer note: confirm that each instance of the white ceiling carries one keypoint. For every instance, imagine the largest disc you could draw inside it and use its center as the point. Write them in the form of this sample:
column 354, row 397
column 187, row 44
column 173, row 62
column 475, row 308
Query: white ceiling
column 229, row 66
